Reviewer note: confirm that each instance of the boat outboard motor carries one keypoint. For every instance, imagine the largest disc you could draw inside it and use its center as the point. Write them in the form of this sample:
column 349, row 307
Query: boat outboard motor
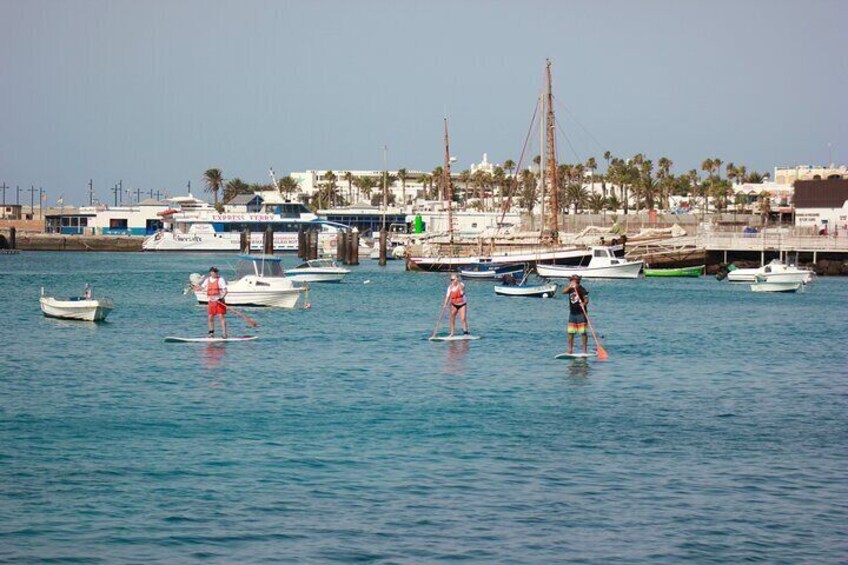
column 722, row 272
column 195, row 278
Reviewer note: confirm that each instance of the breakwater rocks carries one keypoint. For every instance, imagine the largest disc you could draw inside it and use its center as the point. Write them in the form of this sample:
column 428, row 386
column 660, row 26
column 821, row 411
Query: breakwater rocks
column 58, row 242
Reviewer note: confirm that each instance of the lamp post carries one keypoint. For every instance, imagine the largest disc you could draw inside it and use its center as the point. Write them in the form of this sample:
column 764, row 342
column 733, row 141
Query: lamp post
column 32, row 201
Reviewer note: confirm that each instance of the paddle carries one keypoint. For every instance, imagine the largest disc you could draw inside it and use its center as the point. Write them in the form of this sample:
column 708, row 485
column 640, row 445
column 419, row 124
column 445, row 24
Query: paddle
column 602, row 353
column 241, row 315
column 441, row 317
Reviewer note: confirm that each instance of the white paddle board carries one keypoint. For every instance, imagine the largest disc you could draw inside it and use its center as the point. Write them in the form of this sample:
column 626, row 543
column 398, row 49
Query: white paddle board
column 575, row 355
column 172, row 339
column 465, row 337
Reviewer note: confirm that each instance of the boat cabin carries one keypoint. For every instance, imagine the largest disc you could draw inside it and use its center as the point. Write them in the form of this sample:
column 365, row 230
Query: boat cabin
column 262, row 266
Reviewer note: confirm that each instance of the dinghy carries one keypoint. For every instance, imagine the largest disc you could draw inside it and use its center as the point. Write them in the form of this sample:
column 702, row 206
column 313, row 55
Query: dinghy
column 84, row 308
column 546, row 290
column 678, row 272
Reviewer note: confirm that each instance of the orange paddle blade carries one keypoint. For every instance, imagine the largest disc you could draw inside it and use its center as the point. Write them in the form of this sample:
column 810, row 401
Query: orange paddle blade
column 602, row 353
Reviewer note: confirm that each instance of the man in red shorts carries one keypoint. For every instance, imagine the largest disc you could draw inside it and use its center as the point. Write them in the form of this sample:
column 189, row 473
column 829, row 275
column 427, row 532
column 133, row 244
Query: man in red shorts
column 216, row 289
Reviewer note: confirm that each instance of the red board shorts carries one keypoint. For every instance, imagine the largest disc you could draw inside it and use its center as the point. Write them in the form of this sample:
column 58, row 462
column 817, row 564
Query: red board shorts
column 216, row 307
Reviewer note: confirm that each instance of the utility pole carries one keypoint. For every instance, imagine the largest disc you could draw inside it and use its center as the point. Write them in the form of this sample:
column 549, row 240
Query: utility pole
column 32, row 201
column 40, row 203
column 90, row 192
column 157, row 195
column 189, row 187
column 150, row 192
column 137, row 195
column 4, row 199
column 121, row 189
column 17, row 195
column 115, row 192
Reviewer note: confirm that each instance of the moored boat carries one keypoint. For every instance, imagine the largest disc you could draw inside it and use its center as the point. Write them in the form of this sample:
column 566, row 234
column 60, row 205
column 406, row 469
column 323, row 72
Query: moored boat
column 490, row 271
column 85, row 307
column 318, row 270
column 675, row 272
column 775, row 271
column 260, row 281
column 603, row 265
column 763, row 285
column 545, row 290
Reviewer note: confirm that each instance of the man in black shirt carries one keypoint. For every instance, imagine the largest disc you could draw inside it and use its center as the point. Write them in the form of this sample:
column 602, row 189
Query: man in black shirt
column 578, row 302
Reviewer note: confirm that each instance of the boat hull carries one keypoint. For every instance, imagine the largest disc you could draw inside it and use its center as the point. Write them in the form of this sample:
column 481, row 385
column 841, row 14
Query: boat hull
column 533, row 291
column 317, row 274
column 627, row 270
column 693, row 272
column 572, row 256
column 84, row 310
column 764, row 286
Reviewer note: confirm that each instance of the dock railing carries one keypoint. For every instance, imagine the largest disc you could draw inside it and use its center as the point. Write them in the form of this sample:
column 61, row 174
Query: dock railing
column 771, row 241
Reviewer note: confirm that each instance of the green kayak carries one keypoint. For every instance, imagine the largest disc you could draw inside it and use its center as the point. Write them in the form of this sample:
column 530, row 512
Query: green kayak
column 679, row 272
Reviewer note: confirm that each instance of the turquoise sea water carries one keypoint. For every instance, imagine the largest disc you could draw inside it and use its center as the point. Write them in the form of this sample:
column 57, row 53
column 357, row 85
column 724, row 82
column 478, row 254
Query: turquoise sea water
column 716, row 432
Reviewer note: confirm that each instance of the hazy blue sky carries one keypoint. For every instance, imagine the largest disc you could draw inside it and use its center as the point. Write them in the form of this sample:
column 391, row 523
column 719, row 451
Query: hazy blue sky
column 155, row 92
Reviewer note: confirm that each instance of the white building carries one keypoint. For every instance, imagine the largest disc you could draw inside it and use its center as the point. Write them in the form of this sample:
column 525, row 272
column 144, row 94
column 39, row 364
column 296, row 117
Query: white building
column 311, row 182
column 788, row 175
column 142, row 219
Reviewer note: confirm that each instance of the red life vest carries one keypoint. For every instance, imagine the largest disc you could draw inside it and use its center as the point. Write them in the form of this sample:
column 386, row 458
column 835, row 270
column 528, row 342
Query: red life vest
column 213, row 288
column 457, row 295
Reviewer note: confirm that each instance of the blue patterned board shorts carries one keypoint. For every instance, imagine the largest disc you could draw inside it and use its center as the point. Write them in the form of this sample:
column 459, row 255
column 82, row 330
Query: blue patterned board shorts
column 577, row 323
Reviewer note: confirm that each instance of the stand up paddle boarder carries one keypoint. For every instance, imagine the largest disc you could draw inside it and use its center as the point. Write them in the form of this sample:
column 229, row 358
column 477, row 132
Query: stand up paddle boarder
column 216, row 290
column 458, row 304
column 577, row 321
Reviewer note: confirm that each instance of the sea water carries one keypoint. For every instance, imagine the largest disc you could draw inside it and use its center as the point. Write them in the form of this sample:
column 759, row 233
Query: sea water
column 715, row 432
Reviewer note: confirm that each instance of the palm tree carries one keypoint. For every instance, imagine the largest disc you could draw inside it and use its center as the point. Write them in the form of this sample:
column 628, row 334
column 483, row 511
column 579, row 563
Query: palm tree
column 288, row 185
column 592, row 165
column 424, row 180
column 330, row 191
column 464, row 179
column 664, row 175
column 348, row 177
column 576, row 196
column 402, row 176
column 234, row 187
column 596, row 202
column 498, row 181
column 214, row 181
column 437, row 176
column 528, row 196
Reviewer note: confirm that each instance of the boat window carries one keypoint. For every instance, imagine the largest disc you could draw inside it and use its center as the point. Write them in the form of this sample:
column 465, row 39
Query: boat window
column 244, row 269
column 600, row 253
column 271, row 268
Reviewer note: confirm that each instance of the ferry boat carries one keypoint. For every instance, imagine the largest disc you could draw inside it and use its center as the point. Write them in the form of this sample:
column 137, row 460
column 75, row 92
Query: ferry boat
column 197, row 226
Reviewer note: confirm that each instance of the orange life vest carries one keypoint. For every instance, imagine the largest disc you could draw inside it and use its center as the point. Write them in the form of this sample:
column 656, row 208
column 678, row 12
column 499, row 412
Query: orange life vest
column 457, row 295
column 213, row 288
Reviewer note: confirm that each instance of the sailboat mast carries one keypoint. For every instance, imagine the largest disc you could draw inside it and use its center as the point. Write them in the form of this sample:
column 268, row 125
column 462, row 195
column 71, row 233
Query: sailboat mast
column 446, row 181
column 542, row 194
column 552, row 164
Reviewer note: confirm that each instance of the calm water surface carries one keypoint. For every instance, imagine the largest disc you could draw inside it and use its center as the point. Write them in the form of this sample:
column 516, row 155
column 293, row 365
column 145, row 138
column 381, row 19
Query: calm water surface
column 716, row 432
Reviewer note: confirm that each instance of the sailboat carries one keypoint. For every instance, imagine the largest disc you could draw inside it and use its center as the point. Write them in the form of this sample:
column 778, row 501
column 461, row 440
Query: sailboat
column 548, row 249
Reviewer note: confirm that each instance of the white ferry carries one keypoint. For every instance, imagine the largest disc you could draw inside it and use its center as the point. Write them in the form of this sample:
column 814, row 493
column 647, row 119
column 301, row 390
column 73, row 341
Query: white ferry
column 197, row 226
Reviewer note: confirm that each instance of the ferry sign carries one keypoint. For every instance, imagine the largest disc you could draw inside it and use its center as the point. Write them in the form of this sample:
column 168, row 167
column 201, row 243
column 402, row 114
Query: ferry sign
column 243, row 217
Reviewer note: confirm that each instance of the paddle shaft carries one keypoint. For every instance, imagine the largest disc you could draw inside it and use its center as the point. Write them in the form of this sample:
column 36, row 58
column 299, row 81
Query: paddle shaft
column 241, row 315
column 602, row 353
column 441, row 317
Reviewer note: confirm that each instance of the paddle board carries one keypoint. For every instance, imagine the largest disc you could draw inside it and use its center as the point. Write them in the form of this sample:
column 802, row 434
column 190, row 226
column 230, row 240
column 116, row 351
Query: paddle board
column 172, row 339
column 465, row 337
column 575, row 355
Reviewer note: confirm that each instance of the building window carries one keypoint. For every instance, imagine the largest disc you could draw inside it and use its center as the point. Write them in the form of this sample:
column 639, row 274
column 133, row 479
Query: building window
column 118, row 224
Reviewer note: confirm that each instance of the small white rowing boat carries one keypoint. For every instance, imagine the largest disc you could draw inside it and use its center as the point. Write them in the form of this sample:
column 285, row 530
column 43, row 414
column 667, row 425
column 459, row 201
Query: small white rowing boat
column 83, row 308
column 764, row 285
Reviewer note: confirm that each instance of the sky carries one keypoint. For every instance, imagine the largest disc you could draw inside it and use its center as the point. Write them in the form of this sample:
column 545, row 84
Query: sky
column 154, row 92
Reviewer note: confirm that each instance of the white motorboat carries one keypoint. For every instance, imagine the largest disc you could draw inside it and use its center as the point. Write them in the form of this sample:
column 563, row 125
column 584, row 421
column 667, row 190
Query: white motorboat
column 260, row 281
column 84, row 307
column 775, row 271
column 545, row 290
column 761, row 284
column 318, row 270
column 603, row 265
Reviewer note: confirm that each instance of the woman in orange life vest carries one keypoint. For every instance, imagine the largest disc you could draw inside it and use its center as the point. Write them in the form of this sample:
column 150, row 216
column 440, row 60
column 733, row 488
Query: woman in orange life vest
column 456, row 297
column 216, row 289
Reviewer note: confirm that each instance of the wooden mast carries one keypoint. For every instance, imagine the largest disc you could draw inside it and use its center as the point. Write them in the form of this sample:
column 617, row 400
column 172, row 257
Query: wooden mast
column 446, row 181
column 551, row 161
